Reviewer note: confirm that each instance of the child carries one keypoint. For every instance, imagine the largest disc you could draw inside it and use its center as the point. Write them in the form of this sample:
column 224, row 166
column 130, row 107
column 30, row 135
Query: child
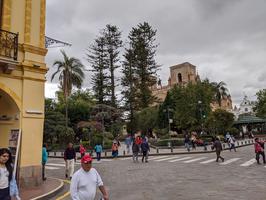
column 259, row 150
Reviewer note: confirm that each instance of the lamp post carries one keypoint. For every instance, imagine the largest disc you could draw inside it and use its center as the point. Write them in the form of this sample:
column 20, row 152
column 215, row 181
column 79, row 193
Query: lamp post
column 200, row 108
column 168, row 117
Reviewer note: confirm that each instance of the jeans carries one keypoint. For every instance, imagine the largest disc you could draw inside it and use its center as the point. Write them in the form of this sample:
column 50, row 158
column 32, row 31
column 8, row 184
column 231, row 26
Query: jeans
column 4, row 194
column 258, row 156
column 135, row 156
column 98, row 155
column 43, row 171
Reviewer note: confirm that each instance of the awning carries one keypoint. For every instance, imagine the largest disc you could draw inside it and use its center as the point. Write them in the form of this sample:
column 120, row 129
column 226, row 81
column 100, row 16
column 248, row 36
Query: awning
column 249, row 119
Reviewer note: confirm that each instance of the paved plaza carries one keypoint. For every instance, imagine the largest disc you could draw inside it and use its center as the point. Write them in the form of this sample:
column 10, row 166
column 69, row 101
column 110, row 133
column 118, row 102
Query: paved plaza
column 168, row 177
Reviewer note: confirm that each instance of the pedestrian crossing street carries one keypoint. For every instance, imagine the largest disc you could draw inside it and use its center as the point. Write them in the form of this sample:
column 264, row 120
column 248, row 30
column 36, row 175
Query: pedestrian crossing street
column 202, row 160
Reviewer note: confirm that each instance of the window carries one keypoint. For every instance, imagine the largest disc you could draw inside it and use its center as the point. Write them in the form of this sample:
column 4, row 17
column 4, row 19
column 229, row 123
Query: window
column 179, row 78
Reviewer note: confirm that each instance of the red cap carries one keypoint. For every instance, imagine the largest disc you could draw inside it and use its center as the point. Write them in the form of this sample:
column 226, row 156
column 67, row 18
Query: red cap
column 86, row 159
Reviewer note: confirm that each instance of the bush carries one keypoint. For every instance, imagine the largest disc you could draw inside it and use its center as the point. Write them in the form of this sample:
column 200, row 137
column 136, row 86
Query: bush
column 233, row 131
column 107, row 143
column 172, row 142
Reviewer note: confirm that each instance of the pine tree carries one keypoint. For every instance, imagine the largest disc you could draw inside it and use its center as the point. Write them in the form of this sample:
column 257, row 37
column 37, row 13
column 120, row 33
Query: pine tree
column 128, row 82
column 97, row 57
column 142, row 39
column 113, row 42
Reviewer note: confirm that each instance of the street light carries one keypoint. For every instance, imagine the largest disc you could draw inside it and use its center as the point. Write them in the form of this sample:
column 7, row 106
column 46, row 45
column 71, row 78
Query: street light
column 168, row 117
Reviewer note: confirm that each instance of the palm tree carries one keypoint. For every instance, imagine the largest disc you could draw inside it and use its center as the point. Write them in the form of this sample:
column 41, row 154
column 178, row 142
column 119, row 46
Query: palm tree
column 220, row 91
column 71, row 74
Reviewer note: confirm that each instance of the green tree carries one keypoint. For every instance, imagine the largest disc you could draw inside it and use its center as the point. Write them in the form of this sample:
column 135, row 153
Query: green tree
column 71, row 74
column 190, row 106
column 97, row 57
column 142, row 41
column 219, row 121
column 113, row 42
column 146, row 119
column 128, row 82
column 260, row 105
column 54, row 125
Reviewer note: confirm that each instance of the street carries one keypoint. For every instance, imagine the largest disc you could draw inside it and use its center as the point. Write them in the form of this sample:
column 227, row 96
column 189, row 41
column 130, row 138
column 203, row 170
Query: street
column 190, row 176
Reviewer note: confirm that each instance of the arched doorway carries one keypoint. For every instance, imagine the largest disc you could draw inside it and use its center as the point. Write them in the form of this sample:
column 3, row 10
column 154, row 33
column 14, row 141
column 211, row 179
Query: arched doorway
column 9, row 118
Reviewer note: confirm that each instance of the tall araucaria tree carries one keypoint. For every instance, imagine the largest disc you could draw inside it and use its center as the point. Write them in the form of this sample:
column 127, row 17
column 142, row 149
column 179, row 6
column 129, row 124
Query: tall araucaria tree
column 142, row 39
column 128, row 82
column 71, row 73
column 113, row 42
column 97, row 57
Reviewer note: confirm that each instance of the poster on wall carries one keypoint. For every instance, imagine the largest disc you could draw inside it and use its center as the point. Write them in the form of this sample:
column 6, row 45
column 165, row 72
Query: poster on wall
column 14, row 145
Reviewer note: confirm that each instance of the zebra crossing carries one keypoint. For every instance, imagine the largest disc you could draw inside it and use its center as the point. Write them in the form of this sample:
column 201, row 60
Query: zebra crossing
column 185, row 159
column 202, row 160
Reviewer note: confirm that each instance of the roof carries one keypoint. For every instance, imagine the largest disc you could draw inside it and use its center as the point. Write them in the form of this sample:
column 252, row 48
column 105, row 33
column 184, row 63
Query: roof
column 249, row 119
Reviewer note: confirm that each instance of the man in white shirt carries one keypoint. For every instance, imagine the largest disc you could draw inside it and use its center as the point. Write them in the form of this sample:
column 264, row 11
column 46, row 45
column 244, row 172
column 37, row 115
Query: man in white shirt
column 85, row 181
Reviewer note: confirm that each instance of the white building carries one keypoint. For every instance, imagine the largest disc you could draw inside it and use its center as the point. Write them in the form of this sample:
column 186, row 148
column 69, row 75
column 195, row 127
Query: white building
column 246, row 107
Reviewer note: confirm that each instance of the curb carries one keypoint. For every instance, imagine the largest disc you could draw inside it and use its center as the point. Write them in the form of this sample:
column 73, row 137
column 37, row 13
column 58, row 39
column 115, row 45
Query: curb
column 170, row 153
column 52, row 193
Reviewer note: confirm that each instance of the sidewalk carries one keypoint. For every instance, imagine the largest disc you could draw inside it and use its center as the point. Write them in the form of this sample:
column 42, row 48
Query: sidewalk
column 163, row 151
column 45, row 191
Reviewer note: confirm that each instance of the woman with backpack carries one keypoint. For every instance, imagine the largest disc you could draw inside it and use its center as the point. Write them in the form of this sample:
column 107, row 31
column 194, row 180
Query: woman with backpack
column 8, row 185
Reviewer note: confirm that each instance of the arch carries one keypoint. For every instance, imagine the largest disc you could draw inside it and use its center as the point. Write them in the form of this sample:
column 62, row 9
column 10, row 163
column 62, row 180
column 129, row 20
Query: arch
column 12, row 94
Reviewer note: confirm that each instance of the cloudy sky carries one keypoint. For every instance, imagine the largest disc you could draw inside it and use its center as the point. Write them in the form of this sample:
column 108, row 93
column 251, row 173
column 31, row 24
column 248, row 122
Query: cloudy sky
column 225, row 39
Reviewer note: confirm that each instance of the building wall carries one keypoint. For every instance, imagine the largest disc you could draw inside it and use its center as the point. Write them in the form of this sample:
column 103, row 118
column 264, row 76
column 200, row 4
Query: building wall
column 25, row 84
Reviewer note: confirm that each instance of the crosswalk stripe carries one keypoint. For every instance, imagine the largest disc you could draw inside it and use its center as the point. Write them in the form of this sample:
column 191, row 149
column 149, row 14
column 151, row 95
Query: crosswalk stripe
column 55, row 164
column 248, row 163
column 184, row 158
column 193, row 160
column 157, row 157
column 125, row 158
column 208, row 161
column 229, row 161
column 163, row 159
column 48, row 167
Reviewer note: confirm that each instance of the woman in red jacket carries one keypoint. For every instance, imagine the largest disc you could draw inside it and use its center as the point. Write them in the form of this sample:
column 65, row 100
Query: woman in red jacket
column 259, row 150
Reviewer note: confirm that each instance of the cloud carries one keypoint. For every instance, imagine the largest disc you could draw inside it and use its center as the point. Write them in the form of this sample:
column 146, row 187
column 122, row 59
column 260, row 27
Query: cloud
column 224, row 39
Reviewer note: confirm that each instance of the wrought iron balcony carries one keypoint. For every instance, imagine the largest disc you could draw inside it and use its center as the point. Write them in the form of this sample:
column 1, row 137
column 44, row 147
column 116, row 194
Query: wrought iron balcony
column 8, row 45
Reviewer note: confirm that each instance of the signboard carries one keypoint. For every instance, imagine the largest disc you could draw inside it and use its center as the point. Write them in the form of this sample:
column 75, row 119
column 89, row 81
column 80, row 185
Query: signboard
column 14, row 145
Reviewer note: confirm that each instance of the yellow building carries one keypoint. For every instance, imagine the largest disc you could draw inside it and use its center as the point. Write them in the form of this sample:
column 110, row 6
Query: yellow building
column 22, row 78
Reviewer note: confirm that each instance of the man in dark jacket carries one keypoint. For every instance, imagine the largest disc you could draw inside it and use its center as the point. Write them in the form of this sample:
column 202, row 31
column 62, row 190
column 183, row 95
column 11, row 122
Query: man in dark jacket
column 135, row 151
column 218, row 148
column 145, row 148
column 70, row 158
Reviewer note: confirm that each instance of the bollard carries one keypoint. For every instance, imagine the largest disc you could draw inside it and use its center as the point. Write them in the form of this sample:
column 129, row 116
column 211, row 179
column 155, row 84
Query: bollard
column 157, row 150
column 237, row 143
column 124, row 152
column 105, row 153
column 242, row 143
column 62, row 154
column 54, row 153
column 172, row 150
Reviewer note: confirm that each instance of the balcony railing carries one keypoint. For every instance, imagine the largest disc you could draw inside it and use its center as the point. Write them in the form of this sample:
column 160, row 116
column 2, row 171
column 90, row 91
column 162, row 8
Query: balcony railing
column 8, row 44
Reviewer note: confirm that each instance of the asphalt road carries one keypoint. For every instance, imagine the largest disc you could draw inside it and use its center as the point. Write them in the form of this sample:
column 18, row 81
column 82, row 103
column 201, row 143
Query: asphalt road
column 188, row 177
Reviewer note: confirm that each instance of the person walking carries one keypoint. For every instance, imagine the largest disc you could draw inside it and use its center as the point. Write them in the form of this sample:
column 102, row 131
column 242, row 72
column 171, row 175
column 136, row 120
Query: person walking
column 70, row 158
column 145, row 148
column 128, row 142
column 135, row 152
column 8, row 185
column 218, row 149
column 114, row 150
column 85, row 182
column 232, row 143
column 187, row 142
column 82, row 150
column 44, row 160
column 98, row 149
column 259, row 150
